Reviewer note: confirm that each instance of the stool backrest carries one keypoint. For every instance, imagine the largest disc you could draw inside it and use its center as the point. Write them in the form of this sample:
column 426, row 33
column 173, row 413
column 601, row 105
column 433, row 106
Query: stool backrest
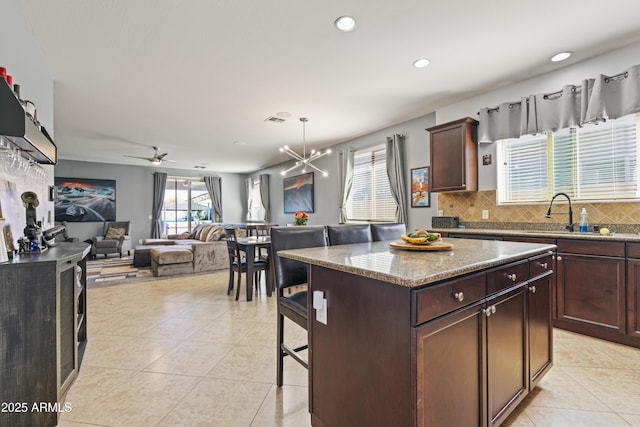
column 289, row 272
column 345, row 234
column 387, row 231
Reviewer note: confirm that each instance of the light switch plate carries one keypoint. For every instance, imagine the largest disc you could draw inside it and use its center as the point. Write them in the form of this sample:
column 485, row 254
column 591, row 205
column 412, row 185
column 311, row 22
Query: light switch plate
column 485, row 214
column 440, row 212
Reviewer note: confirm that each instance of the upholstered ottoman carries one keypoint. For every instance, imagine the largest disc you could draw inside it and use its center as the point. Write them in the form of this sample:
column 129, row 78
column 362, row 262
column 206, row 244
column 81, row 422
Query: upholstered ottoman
column 171, row 260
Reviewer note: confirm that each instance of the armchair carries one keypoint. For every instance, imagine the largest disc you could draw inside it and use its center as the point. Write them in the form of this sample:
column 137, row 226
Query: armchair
column 115, row 239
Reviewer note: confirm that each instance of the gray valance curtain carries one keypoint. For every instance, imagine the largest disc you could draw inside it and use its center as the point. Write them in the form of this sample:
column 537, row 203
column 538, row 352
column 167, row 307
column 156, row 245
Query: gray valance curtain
column 395, row 172
column 265, row 197
column 214, row 188
column 159, row 187
column 346, row 181
column 590, row 101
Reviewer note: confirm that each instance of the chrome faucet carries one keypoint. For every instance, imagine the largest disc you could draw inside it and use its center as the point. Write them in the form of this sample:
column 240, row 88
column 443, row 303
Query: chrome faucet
column 569, row 226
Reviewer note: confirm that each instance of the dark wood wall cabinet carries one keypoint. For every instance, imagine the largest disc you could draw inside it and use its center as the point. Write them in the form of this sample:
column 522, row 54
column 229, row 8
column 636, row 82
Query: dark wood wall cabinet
column 454, row 156
column 42, row 332
column 438, row 361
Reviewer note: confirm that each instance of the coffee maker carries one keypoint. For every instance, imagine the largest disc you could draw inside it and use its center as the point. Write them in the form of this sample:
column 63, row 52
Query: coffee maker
column 30, row 242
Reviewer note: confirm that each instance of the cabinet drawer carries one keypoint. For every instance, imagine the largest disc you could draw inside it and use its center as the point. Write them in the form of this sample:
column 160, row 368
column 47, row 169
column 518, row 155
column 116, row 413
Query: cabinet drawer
column 441, row 299
column 633, row 250
column 507, row 276
column 540, row 265
column 611, row 249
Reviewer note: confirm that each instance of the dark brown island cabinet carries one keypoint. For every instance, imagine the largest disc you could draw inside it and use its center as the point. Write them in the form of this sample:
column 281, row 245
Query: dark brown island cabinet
column 43, row 332
column 453, row 152
column 460, row 351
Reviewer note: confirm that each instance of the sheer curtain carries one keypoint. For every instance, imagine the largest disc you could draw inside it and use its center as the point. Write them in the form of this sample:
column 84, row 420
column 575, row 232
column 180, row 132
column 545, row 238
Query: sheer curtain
column 346, row 180
column 159, row 187
column 265, row 198
column 395, row 172
column 214, row 187
column 593, row 100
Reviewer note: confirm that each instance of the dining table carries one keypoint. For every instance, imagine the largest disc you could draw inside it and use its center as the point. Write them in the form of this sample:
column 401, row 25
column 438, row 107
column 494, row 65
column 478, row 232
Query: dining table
column 250, row 246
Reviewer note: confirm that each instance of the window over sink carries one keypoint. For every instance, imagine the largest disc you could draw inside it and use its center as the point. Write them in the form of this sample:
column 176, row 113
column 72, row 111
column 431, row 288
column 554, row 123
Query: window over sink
column 590, row 163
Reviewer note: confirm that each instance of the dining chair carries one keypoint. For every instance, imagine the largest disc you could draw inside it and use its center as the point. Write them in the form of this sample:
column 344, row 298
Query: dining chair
column 238, row 263
column 387, row 231
column 289, row 273
column 345, row 234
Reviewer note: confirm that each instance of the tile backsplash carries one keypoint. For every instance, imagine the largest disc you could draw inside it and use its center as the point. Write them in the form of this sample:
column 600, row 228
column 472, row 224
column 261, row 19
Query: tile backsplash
column 468, row 206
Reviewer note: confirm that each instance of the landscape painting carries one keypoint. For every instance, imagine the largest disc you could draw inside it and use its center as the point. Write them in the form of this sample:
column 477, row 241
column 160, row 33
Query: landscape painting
column 85, row 200
column 420, row 191
column 298, row 193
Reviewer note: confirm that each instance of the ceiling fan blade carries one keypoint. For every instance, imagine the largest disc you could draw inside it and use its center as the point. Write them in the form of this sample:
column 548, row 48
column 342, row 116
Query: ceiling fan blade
column 138, row 157
column 161, row 156
column 167, row 160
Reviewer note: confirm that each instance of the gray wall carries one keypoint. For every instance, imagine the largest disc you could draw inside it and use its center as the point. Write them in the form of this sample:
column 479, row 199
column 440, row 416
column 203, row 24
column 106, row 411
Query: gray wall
column 326, row 202
column 134, row 194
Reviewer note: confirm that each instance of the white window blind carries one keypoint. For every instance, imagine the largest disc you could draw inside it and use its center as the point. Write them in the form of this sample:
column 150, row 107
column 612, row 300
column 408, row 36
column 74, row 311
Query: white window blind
column 370, row 198
column 595, row 162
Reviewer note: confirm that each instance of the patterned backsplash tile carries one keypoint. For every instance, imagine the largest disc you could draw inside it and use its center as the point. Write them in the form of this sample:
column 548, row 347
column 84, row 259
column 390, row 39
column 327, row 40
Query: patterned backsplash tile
column 468, row 206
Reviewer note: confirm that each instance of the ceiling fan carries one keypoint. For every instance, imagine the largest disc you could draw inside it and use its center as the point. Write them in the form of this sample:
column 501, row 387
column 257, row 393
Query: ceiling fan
column 156, row 159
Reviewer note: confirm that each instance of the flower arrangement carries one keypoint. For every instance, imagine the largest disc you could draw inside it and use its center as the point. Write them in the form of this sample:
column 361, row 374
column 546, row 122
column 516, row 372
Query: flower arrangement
column 301, row 218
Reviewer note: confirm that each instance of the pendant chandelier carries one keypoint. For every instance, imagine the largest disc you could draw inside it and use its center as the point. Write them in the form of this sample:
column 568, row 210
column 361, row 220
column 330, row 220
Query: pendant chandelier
column 302, row 160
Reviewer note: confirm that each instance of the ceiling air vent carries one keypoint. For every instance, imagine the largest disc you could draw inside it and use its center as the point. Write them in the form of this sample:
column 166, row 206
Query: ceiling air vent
column 274, row 119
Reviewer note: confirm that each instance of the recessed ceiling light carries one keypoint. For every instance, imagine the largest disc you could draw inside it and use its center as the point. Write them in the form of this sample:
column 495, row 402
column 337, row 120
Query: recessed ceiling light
column 421, row 63
column 345, row 23
column 560, row 56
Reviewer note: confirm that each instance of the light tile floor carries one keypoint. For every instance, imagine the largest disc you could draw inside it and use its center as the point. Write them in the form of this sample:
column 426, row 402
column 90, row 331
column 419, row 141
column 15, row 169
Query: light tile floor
column 180, row 352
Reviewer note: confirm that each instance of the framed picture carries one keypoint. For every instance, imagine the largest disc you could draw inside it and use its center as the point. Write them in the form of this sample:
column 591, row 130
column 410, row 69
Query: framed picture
column 85, row 200
column 298, row 193
column 420, row 188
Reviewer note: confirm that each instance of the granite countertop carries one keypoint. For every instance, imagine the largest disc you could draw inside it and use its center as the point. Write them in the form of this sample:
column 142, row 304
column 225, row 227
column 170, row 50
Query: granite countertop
column 621, row 237
column 376, row 260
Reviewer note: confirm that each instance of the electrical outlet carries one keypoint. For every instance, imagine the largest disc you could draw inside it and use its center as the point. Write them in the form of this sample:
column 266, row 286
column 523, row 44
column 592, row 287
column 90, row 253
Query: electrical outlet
column 485, row 214
column 440, row 212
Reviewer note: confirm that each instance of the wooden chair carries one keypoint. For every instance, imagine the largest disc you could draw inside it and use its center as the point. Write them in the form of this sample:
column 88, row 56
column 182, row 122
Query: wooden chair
column 238, row 263
column 290, row 273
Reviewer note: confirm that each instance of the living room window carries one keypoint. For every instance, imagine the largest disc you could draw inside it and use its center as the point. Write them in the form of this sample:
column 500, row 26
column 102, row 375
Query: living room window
column 186, row 204
column 594, row 162
column 370, row 198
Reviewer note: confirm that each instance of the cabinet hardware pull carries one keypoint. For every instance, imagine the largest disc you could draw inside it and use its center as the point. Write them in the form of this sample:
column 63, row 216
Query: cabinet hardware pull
column 559, row 258
column 458, row 296
column 544, row 265
column 512, row 277
column 532, row 289
column 489, row 310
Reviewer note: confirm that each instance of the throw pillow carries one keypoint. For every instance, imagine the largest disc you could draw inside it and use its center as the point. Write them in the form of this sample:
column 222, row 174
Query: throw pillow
column 205, row 233
column 216, row 234
column 114, row 233
column 184, row 236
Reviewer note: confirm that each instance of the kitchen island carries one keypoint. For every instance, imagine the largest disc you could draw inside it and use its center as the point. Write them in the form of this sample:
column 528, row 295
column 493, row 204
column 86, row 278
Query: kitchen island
column 426, row 338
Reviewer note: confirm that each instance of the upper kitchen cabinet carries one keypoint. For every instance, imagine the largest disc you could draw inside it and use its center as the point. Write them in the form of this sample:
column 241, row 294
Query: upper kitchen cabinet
column 454, row 155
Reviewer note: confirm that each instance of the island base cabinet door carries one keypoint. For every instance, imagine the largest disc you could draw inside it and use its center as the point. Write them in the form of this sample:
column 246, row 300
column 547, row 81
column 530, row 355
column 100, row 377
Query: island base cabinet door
column 540, row 331
column 507, row 375
column 450, row 369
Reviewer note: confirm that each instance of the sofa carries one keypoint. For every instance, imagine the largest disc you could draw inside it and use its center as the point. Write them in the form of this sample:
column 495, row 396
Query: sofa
column 206, row 244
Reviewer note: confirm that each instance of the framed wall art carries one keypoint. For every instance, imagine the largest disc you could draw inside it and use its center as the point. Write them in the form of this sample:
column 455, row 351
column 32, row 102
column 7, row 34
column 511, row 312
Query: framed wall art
column 85, row 200
column 298, row 193
column 420, row 188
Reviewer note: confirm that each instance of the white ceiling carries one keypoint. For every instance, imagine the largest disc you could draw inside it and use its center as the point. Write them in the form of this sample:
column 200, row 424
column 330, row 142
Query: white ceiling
column 193, row 77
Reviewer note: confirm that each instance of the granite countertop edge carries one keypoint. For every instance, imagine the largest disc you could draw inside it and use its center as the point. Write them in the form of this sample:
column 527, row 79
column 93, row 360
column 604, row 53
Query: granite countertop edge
column 620, row 237
column 420, row 281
